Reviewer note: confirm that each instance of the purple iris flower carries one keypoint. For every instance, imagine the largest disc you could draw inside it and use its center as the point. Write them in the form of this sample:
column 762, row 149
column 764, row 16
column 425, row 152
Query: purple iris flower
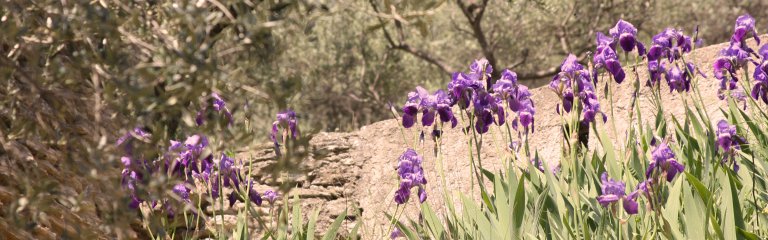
column 206, row 169
column 429, row 105
column 184, row 158
column 480, row 69
column 506, row 85
column 215, row 187
column 568, row 98
column 441, row 102
column 745, row 24
column 270, row 196
column 606, row 58
column 729, row 61
column 218, row 102
column 562, row 87
column 411, row 175
column 613, row 191
column 518, row 98
column 412, row 106
column 485, row 107
column 729, row 141
column 228, row 171
column 571, row 64
column 186, row 161
column 218, row 105
column 135, row 202
column 525, row 116
column 570, row 72
column 726, row 136
column 760, row 89
column 181, row 191
column 128, row 139
column 721, row 66
column 461, row 89
column 626, row 33
column 605, row 40
column 679, row 80
column 253, row 195
column 194, row 146
column 670, row 44
column 127, row 162
column 644, row 188
column 655, row 70
column 287, row 121
column 590, row 104
column 129, row 180
column 232, row 198
column 462, row 86
column 200, row 118
column 130, row 177
column 663, row 159
column 187, row 157
column 402, row 195
column 738, row 56
column 396, row 234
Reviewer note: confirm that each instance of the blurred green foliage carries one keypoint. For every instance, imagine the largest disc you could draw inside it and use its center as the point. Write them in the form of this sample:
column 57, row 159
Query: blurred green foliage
column 75, row 71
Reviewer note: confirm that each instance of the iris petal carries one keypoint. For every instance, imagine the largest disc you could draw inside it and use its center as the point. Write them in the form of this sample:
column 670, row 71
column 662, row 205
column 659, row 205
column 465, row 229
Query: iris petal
column 627, row 42
column 630, row 206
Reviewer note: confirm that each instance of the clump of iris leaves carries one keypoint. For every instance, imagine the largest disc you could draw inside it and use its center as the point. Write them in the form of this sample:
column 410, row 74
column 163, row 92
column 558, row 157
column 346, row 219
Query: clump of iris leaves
column 682, row 176
column 685, row 176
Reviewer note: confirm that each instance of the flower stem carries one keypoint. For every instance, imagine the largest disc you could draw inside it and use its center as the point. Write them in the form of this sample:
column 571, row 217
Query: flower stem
column 392, row 219
column 618, row 226
column 221, row 200
column 441, row 171
column 610, row 97
column 479, row 160
column 754, row 199
column 477, row 169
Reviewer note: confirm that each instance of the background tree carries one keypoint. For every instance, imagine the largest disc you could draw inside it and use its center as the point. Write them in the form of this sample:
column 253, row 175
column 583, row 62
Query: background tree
column 532, row 37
